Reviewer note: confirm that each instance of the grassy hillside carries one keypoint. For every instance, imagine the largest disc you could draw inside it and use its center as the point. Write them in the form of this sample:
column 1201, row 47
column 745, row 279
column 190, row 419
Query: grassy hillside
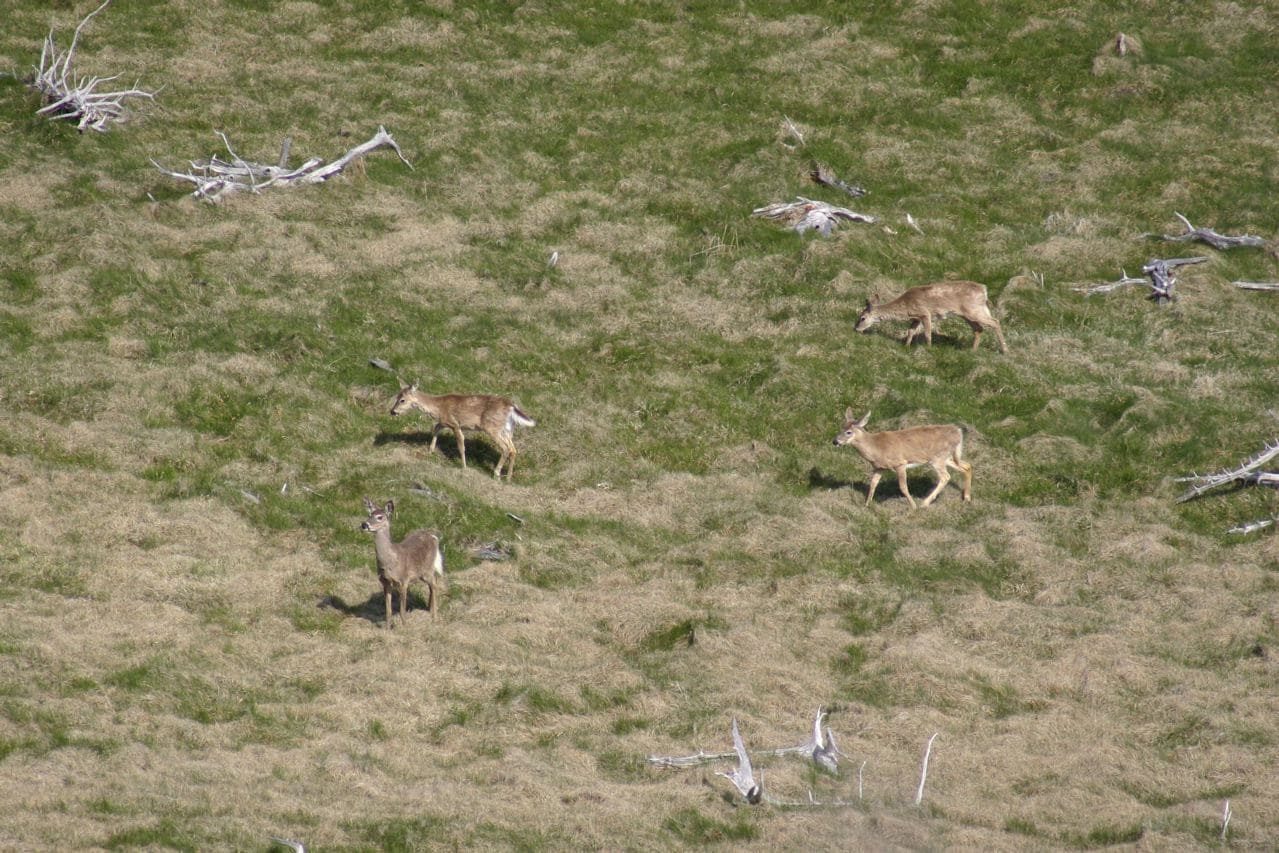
column 191, row 650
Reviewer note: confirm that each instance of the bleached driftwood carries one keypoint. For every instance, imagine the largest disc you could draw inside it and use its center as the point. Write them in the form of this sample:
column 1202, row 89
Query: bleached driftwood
column 742, row 776
column 68, row 96
column 1123, row 281
column 1160, row 272
column 822, row 174
column 1247, row 473
column 215, row 177
column 820, row 749
column 923, row 770
column 1256, row 285
column 805, row 214
column 1212, row 238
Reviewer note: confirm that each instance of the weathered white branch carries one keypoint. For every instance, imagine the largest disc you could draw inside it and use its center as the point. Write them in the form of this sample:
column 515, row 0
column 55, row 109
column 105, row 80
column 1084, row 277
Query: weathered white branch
column 821, row 749
column 78, row 99
column 742, row 776
column 1244, row 471
column 822, row 174
column 1161, row 273
column 215, row 177
column 1212, row 238
column 805, row 214
column 1253, row 526
column 923, row 770
column 1256, row 285
column 1124, row 281
column 1225, row 820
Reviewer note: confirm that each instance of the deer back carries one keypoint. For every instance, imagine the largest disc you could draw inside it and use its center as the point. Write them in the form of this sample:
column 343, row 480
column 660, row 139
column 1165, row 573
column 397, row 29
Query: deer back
column 966, row 298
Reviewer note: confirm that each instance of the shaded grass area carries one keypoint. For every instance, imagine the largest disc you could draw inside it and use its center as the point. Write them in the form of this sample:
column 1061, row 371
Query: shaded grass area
column 189, row 420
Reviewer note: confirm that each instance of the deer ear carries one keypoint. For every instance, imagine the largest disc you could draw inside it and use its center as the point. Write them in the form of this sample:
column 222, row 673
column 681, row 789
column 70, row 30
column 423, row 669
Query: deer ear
column 865, row 418
column 390, row 508
column 368, row 505
column 848, row 415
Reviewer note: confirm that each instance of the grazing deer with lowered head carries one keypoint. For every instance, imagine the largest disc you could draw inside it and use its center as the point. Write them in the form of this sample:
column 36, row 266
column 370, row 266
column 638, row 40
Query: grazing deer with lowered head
column 897, row 450
column 496, row 417
column 921, row 304
column 417, row 557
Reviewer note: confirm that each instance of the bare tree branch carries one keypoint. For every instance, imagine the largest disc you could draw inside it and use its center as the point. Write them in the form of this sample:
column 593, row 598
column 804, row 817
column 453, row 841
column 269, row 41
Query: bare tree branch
column 214, row 177
column 1245, row 471
column 78, row 99
column 1161, row 274
column 805, row 214
column 822, row 174
column 1256, row 285
column 1212, row 238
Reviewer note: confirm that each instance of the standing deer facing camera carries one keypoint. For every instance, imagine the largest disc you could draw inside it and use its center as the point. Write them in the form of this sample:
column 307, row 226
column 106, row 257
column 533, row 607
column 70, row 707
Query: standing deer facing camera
column 920, row 304
column 496, row 417
column 417, row 557
column 897, row 450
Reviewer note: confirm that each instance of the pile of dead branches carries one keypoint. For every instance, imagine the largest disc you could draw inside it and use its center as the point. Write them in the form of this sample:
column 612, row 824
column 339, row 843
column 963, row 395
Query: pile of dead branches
column 76, row 98
column 215, row 177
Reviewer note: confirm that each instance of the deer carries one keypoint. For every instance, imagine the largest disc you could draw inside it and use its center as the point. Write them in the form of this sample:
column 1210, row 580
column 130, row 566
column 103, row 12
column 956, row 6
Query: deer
column 496, row 417
column 940, row 299
column 416, row 557
column 897, row 450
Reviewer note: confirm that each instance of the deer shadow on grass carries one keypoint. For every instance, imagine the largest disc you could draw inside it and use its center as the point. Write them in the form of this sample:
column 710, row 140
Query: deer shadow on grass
column 480, row 453
column 373, row 609
column 887, row 491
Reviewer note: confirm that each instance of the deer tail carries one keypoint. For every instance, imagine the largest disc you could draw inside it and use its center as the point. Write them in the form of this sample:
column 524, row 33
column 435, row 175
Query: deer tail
column 518, row 418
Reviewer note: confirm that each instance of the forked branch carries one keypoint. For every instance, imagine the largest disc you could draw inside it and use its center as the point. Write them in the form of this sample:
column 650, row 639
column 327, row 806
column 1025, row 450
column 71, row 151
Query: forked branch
column 1160, row 275
column 216, row 177
column 75, row 98
column 1212, row 238
column 1247, row 472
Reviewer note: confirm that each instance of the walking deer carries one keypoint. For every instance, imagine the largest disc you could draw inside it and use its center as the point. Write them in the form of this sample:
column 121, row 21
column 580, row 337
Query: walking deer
column 496, row 417
column 417, row 557
column 897, row 450
column 921, row 304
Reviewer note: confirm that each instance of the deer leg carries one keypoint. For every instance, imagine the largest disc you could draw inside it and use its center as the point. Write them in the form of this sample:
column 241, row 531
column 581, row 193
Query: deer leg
column 915, row 326
column 404, row 600
column 435, row 434
column 901, row 482
column 943, row 477
column 387, row 591
column 435, row 598
column 928, row 329
column 874, row 484
column 977, row 330
column 461, row 443
column 966, row 469
column 999, row 335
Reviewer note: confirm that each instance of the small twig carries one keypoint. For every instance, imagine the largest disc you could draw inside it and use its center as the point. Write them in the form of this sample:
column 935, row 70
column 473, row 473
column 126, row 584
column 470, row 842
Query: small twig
column 1124, row 281
column 860, row 770
column 910, row 220
column 792, row 129
column 1212, row 238
column 1225, row 820
column 923, row 770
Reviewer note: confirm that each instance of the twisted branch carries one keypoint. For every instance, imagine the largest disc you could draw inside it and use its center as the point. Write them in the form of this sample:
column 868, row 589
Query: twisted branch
column 68, row 97
column 1212, row 238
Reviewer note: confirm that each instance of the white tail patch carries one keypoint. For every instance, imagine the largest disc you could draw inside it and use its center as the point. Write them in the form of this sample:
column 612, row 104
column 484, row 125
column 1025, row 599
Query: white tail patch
column 518, row 418
column 439, row 561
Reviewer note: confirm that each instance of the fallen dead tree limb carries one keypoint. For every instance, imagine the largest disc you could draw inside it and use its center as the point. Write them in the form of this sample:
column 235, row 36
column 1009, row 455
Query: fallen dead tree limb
column 806, row 214
column 1246, row 472
column 822, row 174
column 1212, row 238
column 1161, row 275
column 820, row 749
column 1256, row 285
column 216, row 177
column 75, row 98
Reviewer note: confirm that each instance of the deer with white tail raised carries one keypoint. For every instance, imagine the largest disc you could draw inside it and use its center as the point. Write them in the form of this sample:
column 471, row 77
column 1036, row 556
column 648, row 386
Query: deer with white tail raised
column 896, row 450
column 921, row 304
column 496, row 417
column 416, row 557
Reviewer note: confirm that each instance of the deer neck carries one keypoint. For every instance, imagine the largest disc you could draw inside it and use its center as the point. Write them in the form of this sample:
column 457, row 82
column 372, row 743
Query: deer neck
column 388, row 557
